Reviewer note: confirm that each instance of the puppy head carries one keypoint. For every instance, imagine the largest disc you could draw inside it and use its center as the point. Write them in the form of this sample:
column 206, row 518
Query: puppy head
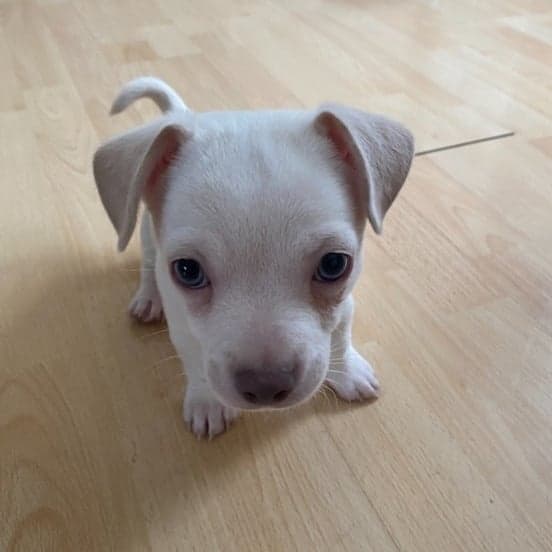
column 259, row 219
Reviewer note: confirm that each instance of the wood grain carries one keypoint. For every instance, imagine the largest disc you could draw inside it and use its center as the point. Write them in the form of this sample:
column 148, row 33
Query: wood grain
column 454, row 306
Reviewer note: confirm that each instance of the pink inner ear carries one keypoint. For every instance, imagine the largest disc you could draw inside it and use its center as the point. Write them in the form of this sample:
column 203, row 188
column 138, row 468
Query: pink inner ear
column 169, row 155
column 341, row 144
column 152, row 195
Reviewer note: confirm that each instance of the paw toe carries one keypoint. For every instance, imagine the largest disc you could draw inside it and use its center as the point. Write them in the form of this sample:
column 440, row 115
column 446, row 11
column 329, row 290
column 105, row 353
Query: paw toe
column 146, row 309
column 208, row 418
column 358, row 382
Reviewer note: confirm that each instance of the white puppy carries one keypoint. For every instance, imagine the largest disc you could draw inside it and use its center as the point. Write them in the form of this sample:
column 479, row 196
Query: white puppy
column 252, row 242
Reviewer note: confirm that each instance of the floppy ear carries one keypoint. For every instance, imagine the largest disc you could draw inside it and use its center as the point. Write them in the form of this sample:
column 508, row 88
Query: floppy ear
column 378, row 151
column 130, row 167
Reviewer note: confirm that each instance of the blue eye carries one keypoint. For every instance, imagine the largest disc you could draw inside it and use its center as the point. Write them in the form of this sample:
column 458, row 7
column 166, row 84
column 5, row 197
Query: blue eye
column 188, row 273
column 331, row 267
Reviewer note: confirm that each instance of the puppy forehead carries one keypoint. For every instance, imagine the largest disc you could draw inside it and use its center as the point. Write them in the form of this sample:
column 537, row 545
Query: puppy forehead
column 265, row 176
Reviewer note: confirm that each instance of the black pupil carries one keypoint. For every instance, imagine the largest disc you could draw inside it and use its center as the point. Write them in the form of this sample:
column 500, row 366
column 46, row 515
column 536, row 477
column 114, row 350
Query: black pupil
column 189, row 271
column 332, row 264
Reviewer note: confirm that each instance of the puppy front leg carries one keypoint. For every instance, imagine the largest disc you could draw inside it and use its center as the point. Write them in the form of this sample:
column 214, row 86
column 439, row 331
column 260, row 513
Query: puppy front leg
column 204, row 414
column 146, row 304
column 350, row 375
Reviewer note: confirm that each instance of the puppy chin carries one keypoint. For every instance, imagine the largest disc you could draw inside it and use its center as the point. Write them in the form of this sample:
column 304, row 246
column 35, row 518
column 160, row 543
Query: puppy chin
column 240, row 404
column 227, row 397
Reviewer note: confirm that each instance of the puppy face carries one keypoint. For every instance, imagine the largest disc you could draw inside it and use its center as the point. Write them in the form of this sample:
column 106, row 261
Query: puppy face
column 259, row 244
column 258, row 222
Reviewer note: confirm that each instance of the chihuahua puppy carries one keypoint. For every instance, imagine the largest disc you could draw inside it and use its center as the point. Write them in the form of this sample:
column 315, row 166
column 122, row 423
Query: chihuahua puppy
column 252, row 239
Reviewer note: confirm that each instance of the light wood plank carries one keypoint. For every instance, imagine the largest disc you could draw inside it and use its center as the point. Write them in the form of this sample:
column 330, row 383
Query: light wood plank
column 454, row 306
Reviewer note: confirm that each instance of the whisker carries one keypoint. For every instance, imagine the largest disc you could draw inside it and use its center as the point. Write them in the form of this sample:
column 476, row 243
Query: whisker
column 338, row 347
column 332, row 392
column 324, row 394
column 337, row 372
column 166, row 359
column 164, row 330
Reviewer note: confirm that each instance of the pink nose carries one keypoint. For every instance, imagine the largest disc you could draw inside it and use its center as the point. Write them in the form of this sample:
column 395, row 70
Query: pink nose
column 265, row 387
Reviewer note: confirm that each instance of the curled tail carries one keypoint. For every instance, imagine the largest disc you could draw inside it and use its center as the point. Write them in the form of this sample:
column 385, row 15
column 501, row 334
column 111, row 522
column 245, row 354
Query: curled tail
column 147, row 87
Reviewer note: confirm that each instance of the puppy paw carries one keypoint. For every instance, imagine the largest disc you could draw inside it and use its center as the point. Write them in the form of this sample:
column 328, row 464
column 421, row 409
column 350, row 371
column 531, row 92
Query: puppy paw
column 354, row 380
column 146, row 304
column 205, row 415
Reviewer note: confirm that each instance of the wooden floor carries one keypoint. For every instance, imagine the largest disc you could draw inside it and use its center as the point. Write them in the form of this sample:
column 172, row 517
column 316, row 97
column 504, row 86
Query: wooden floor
column 454, row 306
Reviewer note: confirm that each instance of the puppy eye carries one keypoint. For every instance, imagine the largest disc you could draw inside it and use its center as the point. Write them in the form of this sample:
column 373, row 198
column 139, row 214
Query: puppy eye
column 188, row 273
column 331, row 267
